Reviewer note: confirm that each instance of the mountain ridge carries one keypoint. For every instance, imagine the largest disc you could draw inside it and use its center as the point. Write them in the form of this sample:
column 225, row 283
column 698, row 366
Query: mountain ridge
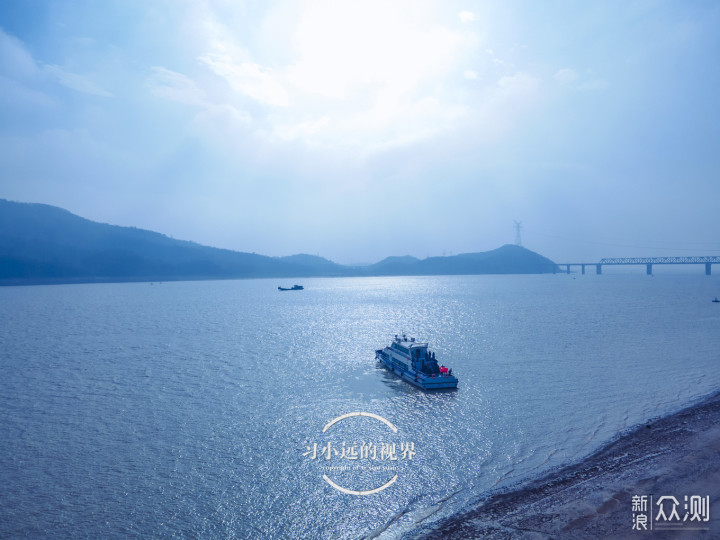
column 40, row 243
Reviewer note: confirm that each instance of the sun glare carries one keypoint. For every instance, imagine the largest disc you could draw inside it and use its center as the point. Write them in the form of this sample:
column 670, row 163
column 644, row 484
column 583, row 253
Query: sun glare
column 340, row 45
column 363, row 73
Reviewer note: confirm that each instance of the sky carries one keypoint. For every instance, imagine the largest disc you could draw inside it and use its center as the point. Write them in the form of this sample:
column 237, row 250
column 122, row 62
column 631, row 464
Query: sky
column 357, row 130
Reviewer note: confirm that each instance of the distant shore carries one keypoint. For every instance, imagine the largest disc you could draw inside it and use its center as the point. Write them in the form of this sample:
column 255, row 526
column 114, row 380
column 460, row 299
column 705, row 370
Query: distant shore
column 43, row 245
column 678, row 455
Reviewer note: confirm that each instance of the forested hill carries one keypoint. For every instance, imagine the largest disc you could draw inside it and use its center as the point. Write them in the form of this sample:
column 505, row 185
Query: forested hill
column 45, row 244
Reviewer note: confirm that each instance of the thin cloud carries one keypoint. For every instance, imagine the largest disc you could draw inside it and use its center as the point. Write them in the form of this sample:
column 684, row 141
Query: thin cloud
column 253, row 80
column 466, row 16
column 75, row 81
column 18, row 64
column 566, row 76
column 176, row 87
column 519, row 83
column 15, row 60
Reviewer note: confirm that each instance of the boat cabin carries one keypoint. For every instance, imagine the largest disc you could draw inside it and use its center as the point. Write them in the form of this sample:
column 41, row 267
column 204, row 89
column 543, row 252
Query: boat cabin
column 417, row 353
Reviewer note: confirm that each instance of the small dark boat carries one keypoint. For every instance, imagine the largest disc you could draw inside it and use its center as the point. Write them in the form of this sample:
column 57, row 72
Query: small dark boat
column 293, row 288
column 716, row 299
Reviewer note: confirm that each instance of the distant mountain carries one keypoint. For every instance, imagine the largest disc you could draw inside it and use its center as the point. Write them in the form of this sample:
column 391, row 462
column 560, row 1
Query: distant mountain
column 397, row 266
column 41, row 243
column 319, row 264
column 46, row 244
column 507, row 259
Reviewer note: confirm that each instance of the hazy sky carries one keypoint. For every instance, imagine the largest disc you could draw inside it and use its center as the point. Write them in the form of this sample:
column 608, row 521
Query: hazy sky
column 362, row 129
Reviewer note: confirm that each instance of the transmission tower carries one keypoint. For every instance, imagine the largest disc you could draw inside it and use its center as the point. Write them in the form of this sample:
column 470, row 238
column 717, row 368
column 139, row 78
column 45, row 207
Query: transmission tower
column 518, row 228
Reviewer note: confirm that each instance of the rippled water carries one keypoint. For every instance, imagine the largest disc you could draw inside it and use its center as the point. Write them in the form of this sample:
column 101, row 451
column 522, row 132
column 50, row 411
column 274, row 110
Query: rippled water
column 184, row 409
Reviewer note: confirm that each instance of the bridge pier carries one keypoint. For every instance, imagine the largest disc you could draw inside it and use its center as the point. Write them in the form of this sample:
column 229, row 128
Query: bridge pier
column 707, row 268
column 583, row 269
column 648, row 271
column 598, row 269
column 568, row 268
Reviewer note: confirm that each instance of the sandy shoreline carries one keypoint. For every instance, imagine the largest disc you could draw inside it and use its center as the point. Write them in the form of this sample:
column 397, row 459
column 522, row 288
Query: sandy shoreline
column 678, row 455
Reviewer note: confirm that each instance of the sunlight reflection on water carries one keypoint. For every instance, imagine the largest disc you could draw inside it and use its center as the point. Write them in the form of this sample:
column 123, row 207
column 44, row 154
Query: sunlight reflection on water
column 185, row 408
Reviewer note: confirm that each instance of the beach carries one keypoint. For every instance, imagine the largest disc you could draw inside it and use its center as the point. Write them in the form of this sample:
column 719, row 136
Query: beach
column 600, row 497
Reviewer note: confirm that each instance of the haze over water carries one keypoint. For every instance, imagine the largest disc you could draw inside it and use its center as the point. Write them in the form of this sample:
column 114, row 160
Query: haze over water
column 138, row 410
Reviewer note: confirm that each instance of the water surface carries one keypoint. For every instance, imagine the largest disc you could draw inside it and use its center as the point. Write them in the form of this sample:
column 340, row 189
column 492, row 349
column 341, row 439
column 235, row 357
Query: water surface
column 184, row 409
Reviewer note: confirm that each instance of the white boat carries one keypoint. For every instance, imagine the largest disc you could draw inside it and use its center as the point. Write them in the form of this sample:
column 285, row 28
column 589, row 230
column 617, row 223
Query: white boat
column 411, row 360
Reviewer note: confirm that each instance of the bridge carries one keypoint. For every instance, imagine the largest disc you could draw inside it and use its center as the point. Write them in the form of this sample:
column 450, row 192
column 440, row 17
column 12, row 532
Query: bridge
column 708, row 261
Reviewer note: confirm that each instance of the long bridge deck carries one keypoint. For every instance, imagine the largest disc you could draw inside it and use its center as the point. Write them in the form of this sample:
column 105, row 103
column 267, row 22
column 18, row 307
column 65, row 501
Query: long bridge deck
column 707, row 260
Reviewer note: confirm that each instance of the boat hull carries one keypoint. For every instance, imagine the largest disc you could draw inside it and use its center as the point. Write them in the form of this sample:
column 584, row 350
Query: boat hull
column 419, row 379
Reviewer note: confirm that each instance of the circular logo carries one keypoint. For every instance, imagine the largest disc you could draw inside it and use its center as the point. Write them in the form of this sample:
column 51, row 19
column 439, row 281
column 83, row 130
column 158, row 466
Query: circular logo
column 347, row 461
